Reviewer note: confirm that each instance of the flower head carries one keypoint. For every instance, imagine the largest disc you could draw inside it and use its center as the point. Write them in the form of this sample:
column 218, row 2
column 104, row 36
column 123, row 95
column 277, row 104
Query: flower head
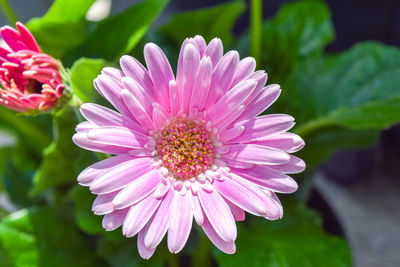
column 190, row 146
column 29, row 79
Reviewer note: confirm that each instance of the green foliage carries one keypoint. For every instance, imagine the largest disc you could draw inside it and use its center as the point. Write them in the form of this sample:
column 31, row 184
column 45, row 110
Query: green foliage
column 300, row 30
column 118, row 35
column 82, row 75
column 62, row 28
column 61, row 160
column 210, row 22
column 45, row 237
column 296, row 240
column 84, row 217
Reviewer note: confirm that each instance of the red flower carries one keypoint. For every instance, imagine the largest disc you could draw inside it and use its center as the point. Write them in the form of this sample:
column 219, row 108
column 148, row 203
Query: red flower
column 30, row 80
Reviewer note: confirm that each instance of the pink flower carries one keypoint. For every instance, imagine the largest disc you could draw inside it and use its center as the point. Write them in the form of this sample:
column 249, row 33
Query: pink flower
column 186, row 147
column 29, row 79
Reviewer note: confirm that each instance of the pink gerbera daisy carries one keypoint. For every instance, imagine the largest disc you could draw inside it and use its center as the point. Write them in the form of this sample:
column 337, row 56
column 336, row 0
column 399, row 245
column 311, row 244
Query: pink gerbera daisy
column 30, row 80
column 186, row 147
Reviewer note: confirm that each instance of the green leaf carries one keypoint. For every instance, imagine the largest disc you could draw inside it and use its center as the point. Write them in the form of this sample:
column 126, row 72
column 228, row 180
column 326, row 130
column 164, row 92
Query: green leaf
column 357, row 89
column 210, row 22
column 45, row 237
column 119, row 34
column 82, row 74
column 62, row 28
column 84, row 217
column 296, row 240
column 122, row 252
column 300, row 30
column 62, row 158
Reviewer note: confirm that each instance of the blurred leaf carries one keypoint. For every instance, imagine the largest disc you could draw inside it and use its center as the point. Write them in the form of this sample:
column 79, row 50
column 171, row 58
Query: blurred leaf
column 216, row 21
column 324, row 142
column 299, row 30
column 122, row 252
column 84, row 217
column 119, row 34
column 45, row 237
column 82, row 74
column 357, row 89
column 61, row 159
column 62, row 28
column 296, row 240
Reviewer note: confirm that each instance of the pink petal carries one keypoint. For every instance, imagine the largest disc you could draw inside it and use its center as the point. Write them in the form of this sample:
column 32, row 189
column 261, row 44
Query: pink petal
column 135, row 70
column 241, row 197
column 103, row 116
column 201, row 86
column 139, row 92
column 261, row 78
column 137, row 190
column 103, row 204
column 158, row 225
column 231, row 100
column 197, row 210
column 295, row 165
column 144, row 252
column 227, row 247
column 113, row 73
column 113, row 220
column 269, row 178
column 160, row 72
column 111, row 90
column 117, row 136
column 273, row 209
column 121, row 175
column 257, row 154
column 27, row 37
column 222, row 77
column 139, row 215
column 231, row 117
column 237, row 212
column 174, row 97
column 261, row 102
column 263, row 126
column 219, row 214
column 87, row 176
column 190, row 67
column 215, row 51
column 287, row 142
column 136, row 109
column 180, row 223
column 231, row 133
column 244, row 68
column 201, row 44
column 81, row 139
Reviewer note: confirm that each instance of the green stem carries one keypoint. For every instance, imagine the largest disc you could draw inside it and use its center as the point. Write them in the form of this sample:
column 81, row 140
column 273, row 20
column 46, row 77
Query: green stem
column 255, row 28
column 311, row 126
column 7, row 10
column 202, row 257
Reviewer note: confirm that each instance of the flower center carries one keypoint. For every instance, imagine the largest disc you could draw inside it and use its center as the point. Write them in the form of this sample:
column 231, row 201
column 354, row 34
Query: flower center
column 33, row 87
column 185, row 149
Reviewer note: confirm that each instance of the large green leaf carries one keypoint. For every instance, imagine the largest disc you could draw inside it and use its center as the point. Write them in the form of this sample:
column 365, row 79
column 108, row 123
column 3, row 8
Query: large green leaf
column 62, row 28
column 61, row 159
column 357, row 89
column 299, row 30
column 354, row 90
column 44, row 237
column 296, row 240
column 84, row 217
column 216, row 21
column 82, row 74
column 119, row 34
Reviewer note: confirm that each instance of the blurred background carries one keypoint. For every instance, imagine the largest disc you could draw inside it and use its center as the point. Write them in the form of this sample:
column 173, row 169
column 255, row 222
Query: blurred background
column 357, row 190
